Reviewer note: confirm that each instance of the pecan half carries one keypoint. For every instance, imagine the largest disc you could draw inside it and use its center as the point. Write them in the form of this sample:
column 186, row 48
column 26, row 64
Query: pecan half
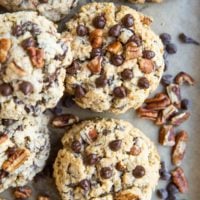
column 95, row 64
column 126, row 196
column 174, row 93
column 166, row 135
column 16, row 160
column 159, row 102
column 147, row 114
column 132, row 51
column 183, row 77
column 36, row 56
column 169, row 111
column 22, row 192
column 179, row 179
column 5, row 45
column 64, row 120
column 115, row 47
column 16, row 69
column 160, row 120
column 180, row 118
column 180, row 147
column 146, row 66
column 96, row 38
column 3, row 138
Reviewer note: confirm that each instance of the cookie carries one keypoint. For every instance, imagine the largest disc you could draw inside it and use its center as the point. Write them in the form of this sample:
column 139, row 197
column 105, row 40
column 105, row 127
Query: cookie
column 24, row 148
column 33, row 57
column 53, row 10
column 118, row 60
column 143, row 1
column 106, row 160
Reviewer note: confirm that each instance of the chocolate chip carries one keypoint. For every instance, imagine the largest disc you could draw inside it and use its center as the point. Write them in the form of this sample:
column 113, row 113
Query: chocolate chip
column 136, row 39
column 82, row 30
column 115, row 30
column 99, row 21
column 79, row 91
column 6, row 89
column 67, row 101
column 26, row 87
column 128, row 20
column 166, row 79
column 166, row 38
column 148, row 54
column 115, row 145
column 3, row 174
column 96, row 52
column 85, row 184
column 91, row 159
column 117, row 60
column 138, row 172
column 106, row 172
column 171, row 48
column 143, row 83
column 162, row 193
column 8, row 122
column 10, row 151
column 120, row 92
column 172, row 189
column 76, row 146
column 29, row 42
column 101, row 81
column 73, row 68
column 188, row 40
column 17, row 30
column 127, row 74
column 185, row 103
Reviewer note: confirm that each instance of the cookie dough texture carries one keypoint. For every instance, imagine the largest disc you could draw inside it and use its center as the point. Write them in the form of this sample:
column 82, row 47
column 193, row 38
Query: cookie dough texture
column 105, row 160
column 33, row 57
column 24, row 148
column 52, row 9
column 117, row 66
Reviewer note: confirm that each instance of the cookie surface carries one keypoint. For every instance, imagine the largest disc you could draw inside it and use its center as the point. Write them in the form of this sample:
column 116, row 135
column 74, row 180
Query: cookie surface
column 118, row 60
column 53, row 10
column 144, row 1
column 32, row 61
column 106, row 160
column 24, row 148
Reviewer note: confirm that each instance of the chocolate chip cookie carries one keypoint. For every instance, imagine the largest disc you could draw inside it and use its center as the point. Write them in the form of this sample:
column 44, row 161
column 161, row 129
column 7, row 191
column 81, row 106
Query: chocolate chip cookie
column 24, row 148
column 118, row 60
column 145, row 1
column 52, row 9
column 33, row 57
column 107, row 160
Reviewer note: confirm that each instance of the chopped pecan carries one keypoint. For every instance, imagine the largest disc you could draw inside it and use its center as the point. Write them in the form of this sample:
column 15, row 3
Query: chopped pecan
column 16, row 160
column 95, row 64
column 132, row 51
column 169, row 111
column 96, row 38
column 174, row 93
column 115, row 47
column 126, row 196
column 5, row 45
column 180, row 147
column 159, row 102
column 36, row 56
column 183, row 77
column 120, row 166
column 3, row 174
column 147, row 114
column 93, row 134
column 16, row 69
column 64, row 120
column 135, row 150
column 179, row 179
column 160, row 119
column 179, row 118
column 166, row 135
column 146, row 20
column 146, row 66
column 22, row 192
column 3, row 138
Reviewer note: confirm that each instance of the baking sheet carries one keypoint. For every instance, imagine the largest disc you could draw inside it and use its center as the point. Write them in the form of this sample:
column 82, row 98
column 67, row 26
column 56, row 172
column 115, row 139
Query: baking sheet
column 174, row 17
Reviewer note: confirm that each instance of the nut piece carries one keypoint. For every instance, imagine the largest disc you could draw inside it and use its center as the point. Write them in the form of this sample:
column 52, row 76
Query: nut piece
column 135, row 150
column 5, row 45
column 22, row 192
column 41, row 197
column 180, row 118
column 132, row 51
column 93, row 135
column 146, row 66
column 120, row 166
column 169, row 111
column 179, row 179
column 159, row 102
column 180, row 147
column 160, row 119
column 115, row 47
column 96, row 38
column 16, row 69
column 166, row 135
column 37, row 56
column 126, row 196
column 16, row 160
column 174, row 94
column 64, row 120
column 146, row 20
column 147, row 114
column 183, row 77
column 3, row 138
column 95, row 64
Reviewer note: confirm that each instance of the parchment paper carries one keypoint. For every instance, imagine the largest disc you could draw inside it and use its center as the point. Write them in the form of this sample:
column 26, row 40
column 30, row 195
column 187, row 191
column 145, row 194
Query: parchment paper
column 174, row 17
